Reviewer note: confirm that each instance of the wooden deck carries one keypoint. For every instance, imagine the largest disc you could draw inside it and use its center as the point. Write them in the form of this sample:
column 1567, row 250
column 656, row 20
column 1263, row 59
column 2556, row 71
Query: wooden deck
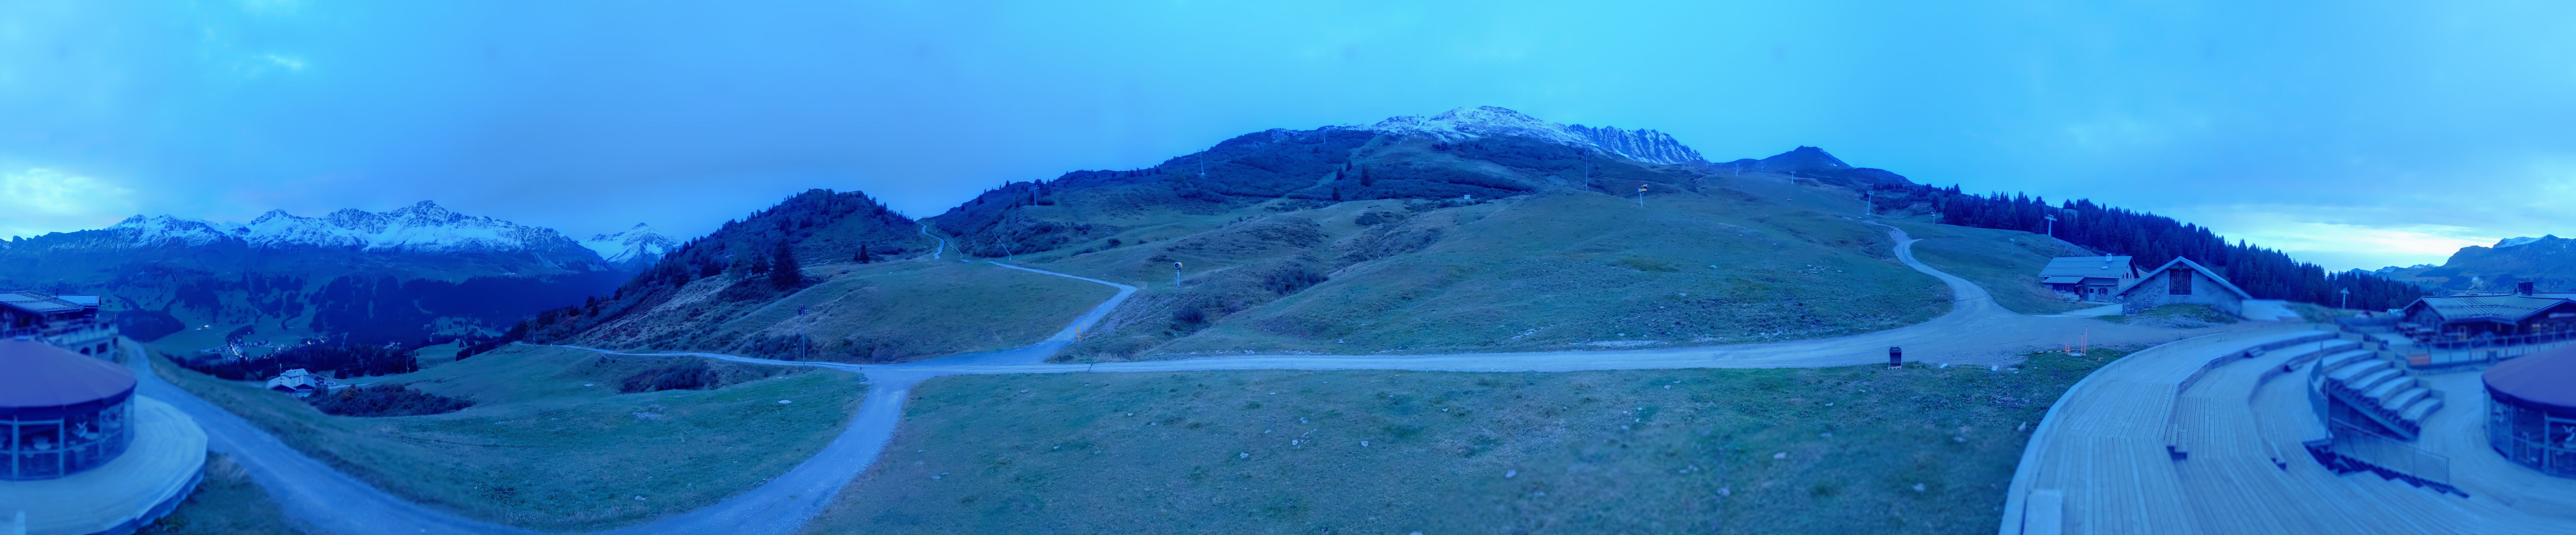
column 2103, row 449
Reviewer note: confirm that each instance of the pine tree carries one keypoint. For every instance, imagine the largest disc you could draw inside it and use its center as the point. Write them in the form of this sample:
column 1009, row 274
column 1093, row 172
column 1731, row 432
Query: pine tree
column 783, row 270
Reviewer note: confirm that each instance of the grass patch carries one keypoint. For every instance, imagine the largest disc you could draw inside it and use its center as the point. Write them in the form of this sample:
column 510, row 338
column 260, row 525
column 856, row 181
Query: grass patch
column 551, row 445
column 2184, row 316
column 226, row 502
column 1822, row 450
column 2005, row 262
column 1545, row 271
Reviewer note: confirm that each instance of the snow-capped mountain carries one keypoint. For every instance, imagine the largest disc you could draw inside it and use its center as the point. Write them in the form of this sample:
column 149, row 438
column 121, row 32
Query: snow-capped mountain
column 1469, row 123
column 424, row 227
column 638, row 244
column 2521, row 240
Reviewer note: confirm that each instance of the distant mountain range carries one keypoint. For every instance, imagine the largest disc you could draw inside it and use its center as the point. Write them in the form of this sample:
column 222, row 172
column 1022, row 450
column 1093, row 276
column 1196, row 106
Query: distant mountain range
column 2549, row 262
column 400, row 275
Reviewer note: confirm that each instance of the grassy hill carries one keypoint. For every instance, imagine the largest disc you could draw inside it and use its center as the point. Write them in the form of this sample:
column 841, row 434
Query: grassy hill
column 1702, row 263
column 1862, row 449
column 877, row 312
column 862, row 273
column 551, row 444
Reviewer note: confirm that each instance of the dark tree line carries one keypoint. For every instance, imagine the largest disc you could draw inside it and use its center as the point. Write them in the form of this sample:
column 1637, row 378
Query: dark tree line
column 348, row 360
column 385, row 400
column 2153, row 240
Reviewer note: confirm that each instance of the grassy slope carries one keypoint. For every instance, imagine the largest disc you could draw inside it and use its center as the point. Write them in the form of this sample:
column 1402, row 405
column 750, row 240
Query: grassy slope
column 1554, row 269
column 1665, row 451
column 873, row 312
column 226, row 502
column 2005, row 262
column 542, row 451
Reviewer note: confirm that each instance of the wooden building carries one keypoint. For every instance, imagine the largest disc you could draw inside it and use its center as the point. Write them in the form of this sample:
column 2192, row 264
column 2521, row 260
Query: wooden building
column 2523, row 313
column 2181, row 281
column 2088, row 278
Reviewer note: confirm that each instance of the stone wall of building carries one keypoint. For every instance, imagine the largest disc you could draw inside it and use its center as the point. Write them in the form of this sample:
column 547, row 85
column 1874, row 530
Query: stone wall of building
column 2155, row 292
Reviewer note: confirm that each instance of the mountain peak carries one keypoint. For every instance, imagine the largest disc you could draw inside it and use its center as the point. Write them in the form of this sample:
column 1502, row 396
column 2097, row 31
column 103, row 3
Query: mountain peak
column 2522, row 240
column 636, row 245
column 1466, row 123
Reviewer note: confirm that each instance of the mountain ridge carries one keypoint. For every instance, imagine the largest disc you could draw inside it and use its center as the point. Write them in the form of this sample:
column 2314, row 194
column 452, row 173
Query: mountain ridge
column 424, row 227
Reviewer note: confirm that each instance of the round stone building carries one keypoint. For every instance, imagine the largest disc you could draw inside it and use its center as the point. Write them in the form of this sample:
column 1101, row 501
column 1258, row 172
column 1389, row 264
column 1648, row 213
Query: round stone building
column 80, row 453
column 2531, row 411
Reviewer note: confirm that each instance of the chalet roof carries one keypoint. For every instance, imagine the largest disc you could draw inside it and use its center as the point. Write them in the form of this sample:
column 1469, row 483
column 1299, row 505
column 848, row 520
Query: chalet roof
column 2087, row 266
column 38, row 303
column 2195, row 266
column 2061, row 280
column 2506, row 307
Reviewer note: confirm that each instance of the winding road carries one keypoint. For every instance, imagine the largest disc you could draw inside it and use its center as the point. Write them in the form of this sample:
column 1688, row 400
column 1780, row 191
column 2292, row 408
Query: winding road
column 1975, row 331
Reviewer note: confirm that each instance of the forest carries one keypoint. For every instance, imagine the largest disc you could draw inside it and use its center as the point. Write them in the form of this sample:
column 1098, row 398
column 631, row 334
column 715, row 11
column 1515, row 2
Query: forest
column 2152, row 240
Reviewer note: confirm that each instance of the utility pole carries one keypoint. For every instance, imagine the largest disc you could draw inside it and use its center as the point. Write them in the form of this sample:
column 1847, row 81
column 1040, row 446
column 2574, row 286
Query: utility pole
column 2347, row 298
column 1865, row 196
column 2052, row 225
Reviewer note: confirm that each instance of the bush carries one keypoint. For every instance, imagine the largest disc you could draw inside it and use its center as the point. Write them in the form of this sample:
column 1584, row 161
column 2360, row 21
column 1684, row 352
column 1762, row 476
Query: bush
column 691, row 375
column 1291, row 280
column 386, row 400
column 1189, row 316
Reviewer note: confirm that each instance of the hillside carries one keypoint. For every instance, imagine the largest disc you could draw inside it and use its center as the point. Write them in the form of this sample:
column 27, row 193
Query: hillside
column 373, row 277
column 740, row 290
column 1476, row 229
column 2549, row 262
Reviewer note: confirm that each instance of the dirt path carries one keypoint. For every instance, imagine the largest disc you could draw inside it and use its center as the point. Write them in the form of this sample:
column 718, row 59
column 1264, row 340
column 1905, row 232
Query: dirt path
column 1975, row 331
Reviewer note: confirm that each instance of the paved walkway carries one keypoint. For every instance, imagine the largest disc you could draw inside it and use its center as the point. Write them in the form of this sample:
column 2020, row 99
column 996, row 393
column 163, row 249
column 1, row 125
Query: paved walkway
column 2100, row 454
column 1975, row 331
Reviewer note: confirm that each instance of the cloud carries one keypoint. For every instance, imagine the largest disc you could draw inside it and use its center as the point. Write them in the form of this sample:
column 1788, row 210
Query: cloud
column 2340, row 237
column 38, row 200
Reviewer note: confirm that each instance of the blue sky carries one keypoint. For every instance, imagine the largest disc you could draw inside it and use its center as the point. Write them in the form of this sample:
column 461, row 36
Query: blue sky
column 2352, row 134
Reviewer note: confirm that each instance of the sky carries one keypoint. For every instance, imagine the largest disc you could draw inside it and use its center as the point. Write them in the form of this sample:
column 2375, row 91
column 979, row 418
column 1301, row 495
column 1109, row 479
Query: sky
column 2352, row 134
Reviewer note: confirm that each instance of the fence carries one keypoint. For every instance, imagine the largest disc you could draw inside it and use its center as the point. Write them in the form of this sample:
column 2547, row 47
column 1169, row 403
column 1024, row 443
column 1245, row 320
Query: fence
column 2361, row 449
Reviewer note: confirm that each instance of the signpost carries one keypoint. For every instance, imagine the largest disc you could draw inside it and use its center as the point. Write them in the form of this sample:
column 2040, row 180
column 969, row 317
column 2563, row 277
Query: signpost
column 1176, row 274
column 1641, row 195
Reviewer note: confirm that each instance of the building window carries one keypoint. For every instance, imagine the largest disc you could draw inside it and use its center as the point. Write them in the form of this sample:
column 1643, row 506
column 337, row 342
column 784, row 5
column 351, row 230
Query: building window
column 2178, row 282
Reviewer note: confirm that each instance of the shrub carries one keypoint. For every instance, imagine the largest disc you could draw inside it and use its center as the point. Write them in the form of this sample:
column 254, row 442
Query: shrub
column 386, row 400
column 1291, row 279
column 691, row 375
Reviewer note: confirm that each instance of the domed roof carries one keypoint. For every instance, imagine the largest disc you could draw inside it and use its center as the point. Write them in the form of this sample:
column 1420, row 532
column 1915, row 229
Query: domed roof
column 2539, row 381
column 37, row 378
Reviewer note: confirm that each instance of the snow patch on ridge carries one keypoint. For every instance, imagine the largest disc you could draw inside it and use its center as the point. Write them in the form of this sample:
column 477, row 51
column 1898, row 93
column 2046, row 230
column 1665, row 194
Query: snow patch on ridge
column 1469, row 123
column 633, row 244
